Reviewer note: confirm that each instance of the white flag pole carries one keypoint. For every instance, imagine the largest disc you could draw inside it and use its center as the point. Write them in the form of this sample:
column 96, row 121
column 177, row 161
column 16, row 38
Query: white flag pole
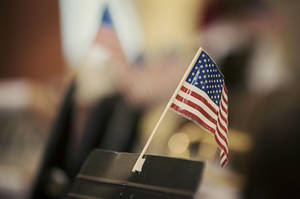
column 140, row 161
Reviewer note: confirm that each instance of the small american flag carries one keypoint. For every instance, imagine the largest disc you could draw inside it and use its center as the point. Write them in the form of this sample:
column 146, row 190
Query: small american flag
column 203, row 98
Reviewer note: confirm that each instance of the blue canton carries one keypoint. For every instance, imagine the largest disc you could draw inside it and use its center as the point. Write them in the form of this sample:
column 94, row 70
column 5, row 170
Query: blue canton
column 206, row 76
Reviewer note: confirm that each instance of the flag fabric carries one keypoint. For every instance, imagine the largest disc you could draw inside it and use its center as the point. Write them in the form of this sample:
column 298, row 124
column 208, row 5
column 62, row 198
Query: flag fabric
column 107, row 37
column 203, row 98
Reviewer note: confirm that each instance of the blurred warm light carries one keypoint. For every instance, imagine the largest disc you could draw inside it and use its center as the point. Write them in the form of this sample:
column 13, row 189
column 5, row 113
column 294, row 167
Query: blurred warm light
column 207, row 152
column 172, row 26
column 178, row 143
column 191, row 133
column 165, row 130
column 207, row 147
column 239, row 141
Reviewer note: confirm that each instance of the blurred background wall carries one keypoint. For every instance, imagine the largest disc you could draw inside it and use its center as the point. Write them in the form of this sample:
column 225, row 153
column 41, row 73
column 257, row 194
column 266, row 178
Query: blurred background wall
column 30, row 40
column 32, row 67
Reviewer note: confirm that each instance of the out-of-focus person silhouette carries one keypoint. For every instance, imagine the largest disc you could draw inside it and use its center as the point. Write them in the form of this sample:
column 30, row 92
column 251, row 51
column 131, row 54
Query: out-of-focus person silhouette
column 112, row 124
column 52, row 180
column 274, row 169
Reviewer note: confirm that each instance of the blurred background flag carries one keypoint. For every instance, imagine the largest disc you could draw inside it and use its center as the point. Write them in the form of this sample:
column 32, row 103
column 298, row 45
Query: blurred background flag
column 203, row 98
column 82, row 23
column 107, row 39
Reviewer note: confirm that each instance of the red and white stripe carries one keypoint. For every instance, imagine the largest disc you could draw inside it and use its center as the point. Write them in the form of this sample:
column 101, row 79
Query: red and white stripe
column 195, row 104
column 221, row 134
column 108, row 39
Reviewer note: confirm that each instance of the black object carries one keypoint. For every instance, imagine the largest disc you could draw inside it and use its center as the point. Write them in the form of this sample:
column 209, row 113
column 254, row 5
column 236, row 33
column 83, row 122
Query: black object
column 112, row 124
column 53, row 177
column 108, row 175
column 274, row 168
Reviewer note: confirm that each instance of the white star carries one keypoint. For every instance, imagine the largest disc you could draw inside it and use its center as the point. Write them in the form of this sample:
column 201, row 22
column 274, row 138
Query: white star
column 199, row 77
column 204, row 60
column 203, row 87
column 190, row 79
column 203, row 55
column 196, row 67
column 201, row 66
column 193, row 73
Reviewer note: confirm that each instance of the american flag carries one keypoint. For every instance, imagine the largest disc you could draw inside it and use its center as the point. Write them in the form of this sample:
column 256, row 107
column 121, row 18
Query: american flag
column 107, row 37
column 203, row 98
